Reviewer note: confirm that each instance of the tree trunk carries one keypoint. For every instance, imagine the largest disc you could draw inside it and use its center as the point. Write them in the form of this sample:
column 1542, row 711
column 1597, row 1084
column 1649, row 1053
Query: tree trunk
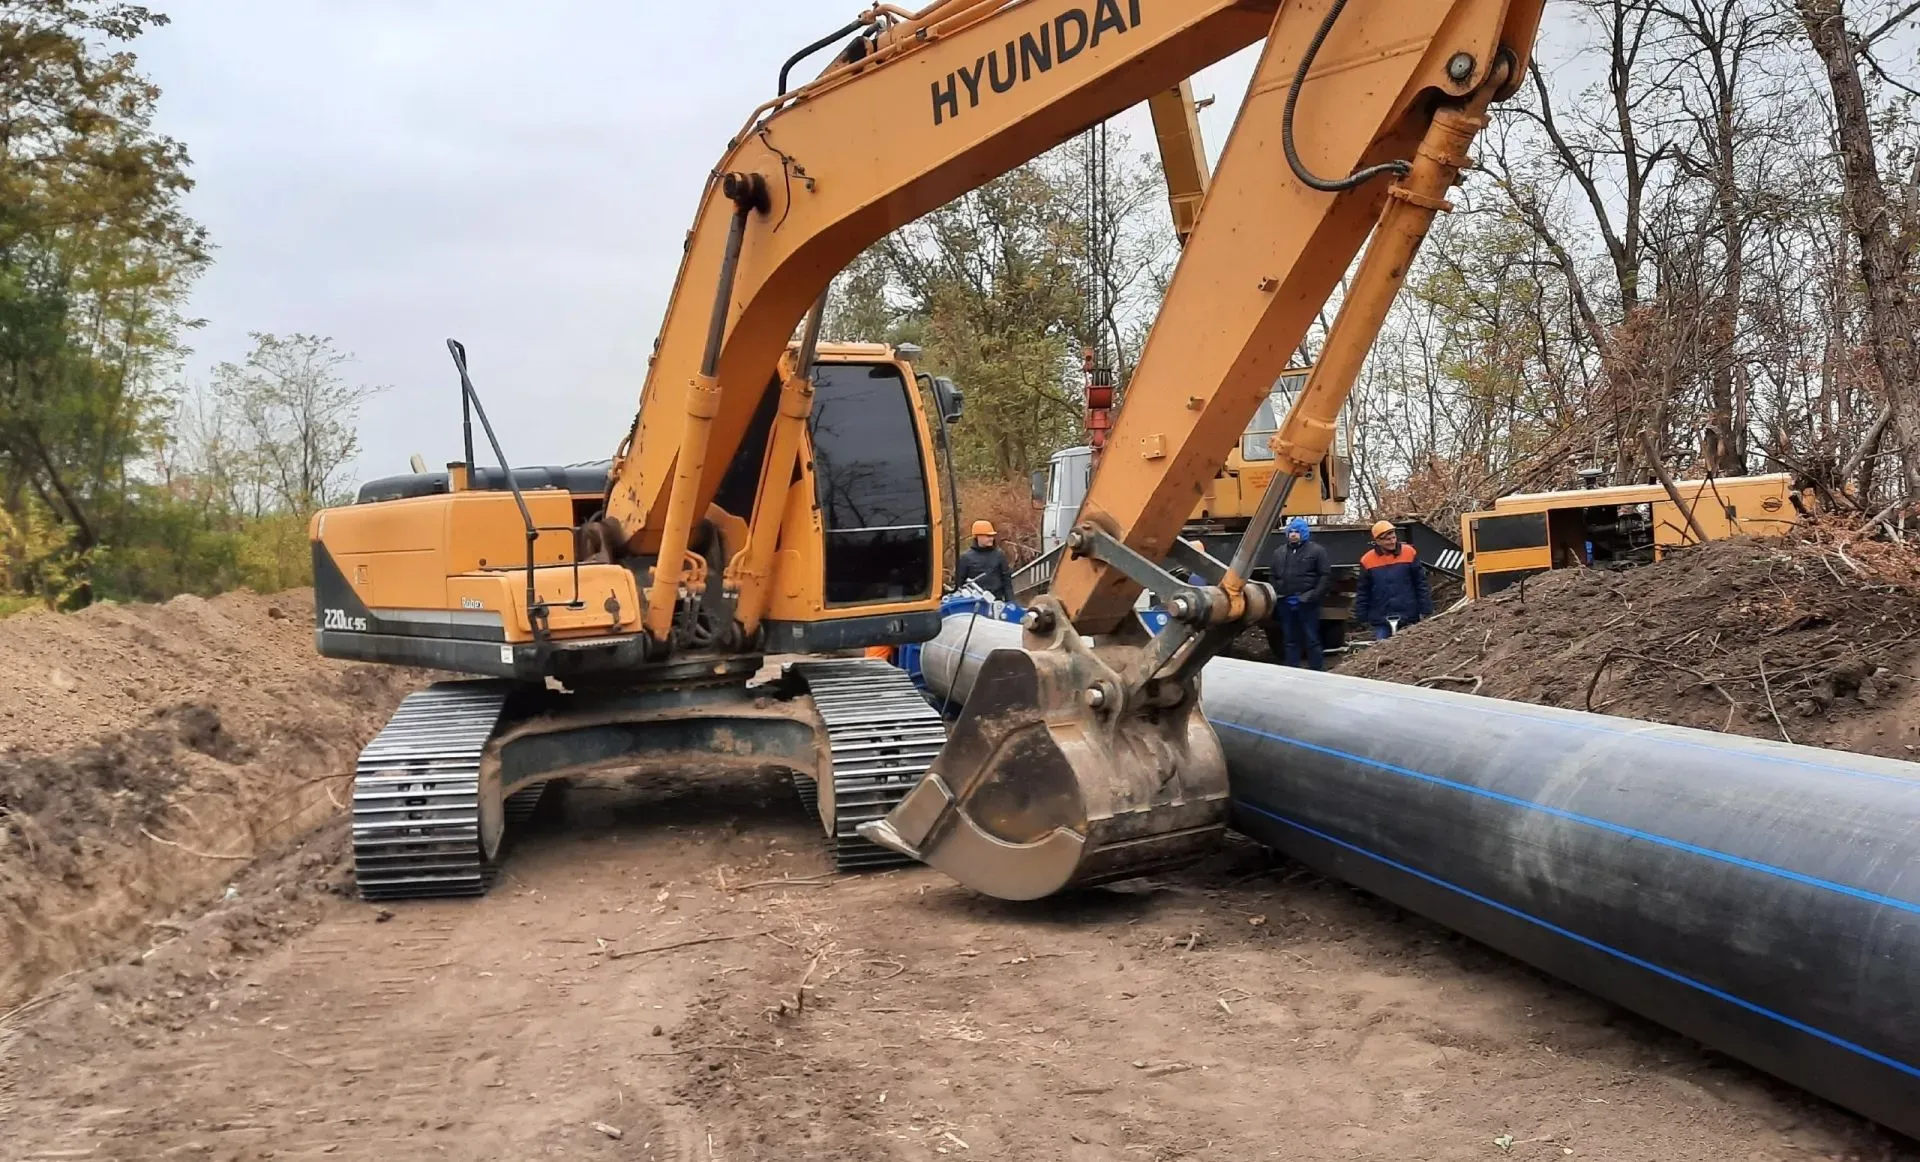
column 1890, row 320
column 1728, row 449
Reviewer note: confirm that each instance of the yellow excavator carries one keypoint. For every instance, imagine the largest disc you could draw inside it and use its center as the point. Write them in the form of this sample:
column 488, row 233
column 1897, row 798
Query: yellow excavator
column 775, row 494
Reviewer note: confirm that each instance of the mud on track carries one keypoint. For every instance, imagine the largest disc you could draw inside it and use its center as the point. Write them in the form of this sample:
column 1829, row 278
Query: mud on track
column 674, row 963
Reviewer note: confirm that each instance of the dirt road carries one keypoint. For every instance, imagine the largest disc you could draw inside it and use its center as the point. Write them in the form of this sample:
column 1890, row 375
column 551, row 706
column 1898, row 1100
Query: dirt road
column 643, row 985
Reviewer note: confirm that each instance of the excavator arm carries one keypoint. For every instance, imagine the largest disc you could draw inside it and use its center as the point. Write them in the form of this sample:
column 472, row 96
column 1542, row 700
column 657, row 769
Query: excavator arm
column 1086, row 758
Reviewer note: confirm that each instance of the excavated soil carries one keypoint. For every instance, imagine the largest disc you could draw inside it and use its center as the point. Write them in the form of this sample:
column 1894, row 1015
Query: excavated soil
column 667, row 969
column 1807, row 639
column 148, row 753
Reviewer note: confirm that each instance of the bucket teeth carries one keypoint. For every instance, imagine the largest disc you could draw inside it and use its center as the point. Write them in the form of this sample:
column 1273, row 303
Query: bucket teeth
column 882, row 736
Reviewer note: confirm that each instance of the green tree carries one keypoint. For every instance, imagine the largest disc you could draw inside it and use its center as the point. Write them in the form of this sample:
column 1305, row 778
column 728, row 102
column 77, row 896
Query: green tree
column 96, row 255
column 989, row 287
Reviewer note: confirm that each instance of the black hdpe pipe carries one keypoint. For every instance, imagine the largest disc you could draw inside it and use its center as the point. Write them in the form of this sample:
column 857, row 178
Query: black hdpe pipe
column 1759, row 897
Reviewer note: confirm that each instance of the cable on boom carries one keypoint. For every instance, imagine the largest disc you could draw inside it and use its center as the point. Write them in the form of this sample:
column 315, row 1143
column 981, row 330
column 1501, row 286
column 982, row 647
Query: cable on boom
column 1308, row 177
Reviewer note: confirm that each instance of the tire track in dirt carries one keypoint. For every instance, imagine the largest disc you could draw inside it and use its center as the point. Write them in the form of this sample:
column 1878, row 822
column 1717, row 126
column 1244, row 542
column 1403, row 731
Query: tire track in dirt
column 1241, row 1010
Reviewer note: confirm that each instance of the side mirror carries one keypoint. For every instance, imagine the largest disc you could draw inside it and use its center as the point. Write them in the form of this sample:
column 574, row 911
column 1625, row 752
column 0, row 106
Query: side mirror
column 949, row 398
column 1039, row 486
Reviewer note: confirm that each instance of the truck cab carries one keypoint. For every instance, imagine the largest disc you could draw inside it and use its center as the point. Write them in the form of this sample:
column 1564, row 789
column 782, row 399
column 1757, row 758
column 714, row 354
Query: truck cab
column 1230, row 497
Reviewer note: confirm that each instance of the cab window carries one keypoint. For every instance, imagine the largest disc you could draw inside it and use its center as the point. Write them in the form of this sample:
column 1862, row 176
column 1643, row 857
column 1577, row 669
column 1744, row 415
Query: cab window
column 871, row 485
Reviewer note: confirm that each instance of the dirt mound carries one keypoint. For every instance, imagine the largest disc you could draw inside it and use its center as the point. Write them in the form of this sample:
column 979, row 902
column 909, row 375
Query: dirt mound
column 1805, row 638
column 148, row 752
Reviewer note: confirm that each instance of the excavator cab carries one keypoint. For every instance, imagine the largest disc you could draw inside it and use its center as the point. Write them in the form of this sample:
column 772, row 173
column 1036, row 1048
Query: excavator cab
column 504, row 578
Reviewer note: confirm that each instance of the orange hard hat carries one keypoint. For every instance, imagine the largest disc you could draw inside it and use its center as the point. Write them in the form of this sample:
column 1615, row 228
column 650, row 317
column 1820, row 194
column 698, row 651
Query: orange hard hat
column 983, row 528
column 1382, row 527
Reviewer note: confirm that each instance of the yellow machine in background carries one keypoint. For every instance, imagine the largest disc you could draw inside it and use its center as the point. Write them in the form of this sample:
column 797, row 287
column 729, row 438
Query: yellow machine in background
column 1531, row 532
column 1230, row 499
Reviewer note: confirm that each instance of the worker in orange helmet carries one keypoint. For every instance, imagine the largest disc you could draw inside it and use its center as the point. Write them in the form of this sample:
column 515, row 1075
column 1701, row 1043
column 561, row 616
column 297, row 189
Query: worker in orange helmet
column 1393, row 592
column 984, row 563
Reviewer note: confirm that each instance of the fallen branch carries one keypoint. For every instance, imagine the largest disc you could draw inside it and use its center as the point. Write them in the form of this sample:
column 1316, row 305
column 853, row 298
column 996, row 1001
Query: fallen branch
column 702, row 1049
column 193, row 851
column 1767, row 688
column 50, row 992
column 1883, row 517
column 1607, row 659
column 802, row 882
column 35, row 1003
column 1461, row 678
column 682, row 944
column 799, row 992
column 1673, row 490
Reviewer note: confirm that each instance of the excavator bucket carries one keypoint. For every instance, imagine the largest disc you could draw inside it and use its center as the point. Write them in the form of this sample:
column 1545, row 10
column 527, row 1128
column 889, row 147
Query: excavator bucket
column 1047, row 783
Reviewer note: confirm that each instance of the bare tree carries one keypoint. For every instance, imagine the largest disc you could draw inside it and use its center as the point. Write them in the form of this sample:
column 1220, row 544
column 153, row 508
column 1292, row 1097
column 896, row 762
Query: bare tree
column 290, row 419
column 1883, row 253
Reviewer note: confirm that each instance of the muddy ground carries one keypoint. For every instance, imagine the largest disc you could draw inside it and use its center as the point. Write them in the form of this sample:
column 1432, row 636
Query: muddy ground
column 671, row 964
column 667, row 970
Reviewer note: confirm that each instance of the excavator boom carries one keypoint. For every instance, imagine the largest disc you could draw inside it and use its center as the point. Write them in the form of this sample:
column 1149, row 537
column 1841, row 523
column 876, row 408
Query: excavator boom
column 933, row 107
column 1183, row 155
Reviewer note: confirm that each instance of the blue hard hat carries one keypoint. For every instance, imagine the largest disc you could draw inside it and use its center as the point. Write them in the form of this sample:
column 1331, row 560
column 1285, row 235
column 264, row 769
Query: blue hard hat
column 1298, row 524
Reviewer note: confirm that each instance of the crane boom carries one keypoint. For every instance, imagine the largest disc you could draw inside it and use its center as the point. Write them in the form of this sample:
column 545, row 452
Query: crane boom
column 1183, row 154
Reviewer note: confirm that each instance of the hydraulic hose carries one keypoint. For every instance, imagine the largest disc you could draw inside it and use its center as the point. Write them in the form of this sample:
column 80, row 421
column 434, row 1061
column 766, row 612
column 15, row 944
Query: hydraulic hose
column 1308, row 177
column 787, row 69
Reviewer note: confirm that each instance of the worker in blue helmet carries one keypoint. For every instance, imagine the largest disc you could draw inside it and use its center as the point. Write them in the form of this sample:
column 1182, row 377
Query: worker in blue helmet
column 1300, row 576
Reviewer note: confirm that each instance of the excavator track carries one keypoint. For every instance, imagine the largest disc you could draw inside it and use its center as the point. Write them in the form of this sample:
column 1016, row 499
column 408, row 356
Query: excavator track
column 882, row 735
column 416, row 795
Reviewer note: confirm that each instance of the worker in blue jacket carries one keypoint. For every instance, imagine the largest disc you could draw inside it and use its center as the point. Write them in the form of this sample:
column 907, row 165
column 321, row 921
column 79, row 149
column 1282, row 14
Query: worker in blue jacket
column 1300, row 575
column 1393, row 584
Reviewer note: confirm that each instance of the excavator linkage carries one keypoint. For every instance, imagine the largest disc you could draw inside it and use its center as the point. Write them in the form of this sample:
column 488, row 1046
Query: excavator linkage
column 1049, row 781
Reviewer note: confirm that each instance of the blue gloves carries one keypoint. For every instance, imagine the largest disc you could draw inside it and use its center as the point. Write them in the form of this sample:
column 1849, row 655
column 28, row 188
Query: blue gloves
column 1293, row 601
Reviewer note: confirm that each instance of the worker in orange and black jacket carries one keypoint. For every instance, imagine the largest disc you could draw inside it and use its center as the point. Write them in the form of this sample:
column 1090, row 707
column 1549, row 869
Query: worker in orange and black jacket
column 985, row 563
column 1393, row 584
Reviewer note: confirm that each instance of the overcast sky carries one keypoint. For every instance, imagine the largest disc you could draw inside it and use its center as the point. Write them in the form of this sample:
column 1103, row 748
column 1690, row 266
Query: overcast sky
column 515, row 175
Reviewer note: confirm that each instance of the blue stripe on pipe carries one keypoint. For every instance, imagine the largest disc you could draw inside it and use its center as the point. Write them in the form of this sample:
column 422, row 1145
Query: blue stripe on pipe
column 1637, row 962
column 1492, row 709
column 1588, row 820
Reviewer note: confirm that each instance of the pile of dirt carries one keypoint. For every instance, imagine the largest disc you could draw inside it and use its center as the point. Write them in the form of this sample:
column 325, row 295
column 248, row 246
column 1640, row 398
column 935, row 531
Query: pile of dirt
column 149, row 752
column 1806, row 638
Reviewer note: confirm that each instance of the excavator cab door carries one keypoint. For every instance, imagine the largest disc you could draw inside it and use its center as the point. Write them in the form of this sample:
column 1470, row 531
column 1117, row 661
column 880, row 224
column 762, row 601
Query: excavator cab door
column 870, row 481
